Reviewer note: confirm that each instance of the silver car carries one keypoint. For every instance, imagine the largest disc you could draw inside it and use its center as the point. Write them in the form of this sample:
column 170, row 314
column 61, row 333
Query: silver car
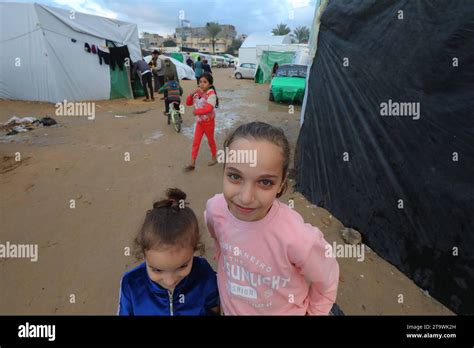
column 245, row 71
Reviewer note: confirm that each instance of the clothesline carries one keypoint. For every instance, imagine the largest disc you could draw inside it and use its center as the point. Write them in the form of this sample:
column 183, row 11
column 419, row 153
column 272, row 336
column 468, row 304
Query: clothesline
column 81, row 41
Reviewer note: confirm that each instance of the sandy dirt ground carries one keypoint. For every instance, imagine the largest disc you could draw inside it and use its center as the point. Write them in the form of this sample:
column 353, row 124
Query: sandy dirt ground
column 82, row 250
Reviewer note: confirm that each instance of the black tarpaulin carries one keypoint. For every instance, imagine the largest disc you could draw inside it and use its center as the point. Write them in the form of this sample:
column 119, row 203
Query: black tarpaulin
column 387, row 143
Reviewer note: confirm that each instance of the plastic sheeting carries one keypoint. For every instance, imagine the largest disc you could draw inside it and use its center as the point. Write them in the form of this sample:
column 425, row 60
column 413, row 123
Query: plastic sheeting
column 43, row 57
column 266, row 62
column 120, row 86
column 289, row 89
column 403, row 178
column 178, row 56
column 248, row 49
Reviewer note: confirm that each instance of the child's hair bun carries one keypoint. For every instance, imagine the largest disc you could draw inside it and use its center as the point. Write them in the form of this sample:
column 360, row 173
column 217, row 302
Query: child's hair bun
column 175, row 194
column 174, row 197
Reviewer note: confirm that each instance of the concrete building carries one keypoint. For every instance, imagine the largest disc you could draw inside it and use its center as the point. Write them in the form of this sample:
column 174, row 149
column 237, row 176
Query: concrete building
column 198, row 38
column 151, row 40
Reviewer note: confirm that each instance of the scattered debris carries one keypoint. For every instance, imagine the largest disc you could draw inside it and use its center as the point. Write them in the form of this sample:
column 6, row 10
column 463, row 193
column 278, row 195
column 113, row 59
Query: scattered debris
column 326, row 221
column 48, row 121
column 17, row 125
column 425, row 292
column 350, row 236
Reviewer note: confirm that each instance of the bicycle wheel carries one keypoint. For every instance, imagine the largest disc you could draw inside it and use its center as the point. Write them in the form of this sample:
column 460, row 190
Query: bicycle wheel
column 176, row 121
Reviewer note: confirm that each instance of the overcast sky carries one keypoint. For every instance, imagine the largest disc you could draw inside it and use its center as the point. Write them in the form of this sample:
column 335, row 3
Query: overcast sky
column 162, row 16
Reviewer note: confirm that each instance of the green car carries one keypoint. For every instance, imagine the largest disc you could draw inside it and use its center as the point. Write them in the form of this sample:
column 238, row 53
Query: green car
column 289, row 83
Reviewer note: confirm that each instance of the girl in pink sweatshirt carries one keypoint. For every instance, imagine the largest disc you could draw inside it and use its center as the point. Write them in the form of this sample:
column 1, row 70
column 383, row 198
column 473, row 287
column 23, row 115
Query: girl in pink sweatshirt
column 270, row 262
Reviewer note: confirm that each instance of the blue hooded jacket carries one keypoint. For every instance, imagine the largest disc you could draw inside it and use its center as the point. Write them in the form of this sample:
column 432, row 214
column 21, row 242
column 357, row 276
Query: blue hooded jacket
column 195, row 294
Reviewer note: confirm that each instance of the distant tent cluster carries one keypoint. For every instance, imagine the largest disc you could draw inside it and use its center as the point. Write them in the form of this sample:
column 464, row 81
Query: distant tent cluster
column 266, row 50
column 404, row 179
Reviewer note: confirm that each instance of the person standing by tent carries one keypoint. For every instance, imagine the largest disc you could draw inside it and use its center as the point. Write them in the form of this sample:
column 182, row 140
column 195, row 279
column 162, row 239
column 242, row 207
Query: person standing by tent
column 198, row 69
column 157, row 67
column 275, row 69
column 206, row 67
column 161, row 72
column 190, row 62
column 146, row 76
column 170, row 71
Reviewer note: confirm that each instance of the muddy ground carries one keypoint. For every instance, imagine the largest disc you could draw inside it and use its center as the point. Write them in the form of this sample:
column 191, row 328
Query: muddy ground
column 81, row 250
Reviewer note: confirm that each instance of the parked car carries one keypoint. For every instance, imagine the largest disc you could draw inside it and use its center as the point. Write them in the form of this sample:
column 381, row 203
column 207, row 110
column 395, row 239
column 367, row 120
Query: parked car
column 289, row 83
column 245, row 71
column 231, row 59
column 219, row 62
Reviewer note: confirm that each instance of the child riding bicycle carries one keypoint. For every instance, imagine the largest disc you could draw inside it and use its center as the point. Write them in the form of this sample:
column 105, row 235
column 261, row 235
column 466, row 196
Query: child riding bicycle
column 173, row 92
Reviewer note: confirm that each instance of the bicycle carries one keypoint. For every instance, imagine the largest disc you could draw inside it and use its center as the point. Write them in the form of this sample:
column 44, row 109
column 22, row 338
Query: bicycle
column 175, row 116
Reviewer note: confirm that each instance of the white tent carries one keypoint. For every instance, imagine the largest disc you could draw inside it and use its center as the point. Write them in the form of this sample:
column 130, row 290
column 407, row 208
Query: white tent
column 43, row 58
column 248, row 50
column 184, row 71
column 301, row 51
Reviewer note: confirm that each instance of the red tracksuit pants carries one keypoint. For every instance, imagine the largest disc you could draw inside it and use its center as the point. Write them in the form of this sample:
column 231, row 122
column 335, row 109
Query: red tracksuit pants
column 204, row 127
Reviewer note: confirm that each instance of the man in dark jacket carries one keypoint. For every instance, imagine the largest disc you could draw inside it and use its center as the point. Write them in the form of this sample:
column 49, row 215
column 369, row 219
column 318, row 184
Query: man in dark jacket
column 141, row 68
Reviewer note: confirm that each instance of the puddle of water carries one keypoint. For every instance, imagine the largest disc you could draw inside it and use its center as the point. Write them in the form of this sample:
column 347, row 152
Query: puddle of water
column 236, row 104
column 154, row 136
column 232, row 93
column 224, row 120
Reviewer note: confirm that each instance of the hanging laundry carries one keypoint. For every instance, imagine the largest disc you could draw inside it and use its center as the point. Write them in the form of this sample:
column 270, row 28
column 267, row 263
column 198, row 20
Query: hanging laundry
column 87, row 48
column 93, row 49
column 103, row 55
column 118, row 55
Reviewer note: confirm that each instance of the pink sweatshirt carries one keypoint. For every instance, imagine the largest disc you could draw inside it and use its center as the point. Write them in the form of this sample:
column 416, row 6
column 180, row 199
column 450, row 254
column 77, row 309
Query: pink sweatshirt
column 273, row 266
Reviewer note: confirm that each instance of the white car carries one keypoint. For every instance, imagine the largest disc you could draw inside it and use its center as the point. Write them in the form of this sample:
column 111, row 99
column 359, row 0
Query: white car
column 245, row 71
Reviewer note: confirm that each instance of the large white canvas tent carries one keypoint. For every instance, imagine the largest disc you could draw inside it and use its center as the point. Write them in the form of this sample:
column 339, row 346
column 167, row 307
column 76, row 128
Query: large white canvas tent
column 43, row 57
column 248, row 50
column 184, row 71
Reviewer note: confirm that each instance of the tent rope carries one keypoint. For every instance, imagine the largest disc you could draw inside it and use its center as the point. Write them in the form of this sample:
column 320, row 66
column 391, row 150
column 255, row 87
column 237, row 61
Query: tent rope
column 17, row 37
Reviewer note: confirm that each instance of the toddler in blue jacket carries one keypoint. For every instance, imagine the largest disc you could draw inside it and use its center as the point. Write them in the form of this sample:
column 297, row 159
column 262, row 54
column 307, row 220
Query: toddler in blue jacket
column 171, row 281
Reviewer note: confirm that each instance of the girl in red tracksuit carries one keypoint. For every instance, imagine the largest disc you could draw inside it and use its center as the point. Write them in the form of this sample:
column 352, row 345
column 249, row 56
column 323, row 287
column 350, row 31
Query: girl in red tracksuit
column 205, row 101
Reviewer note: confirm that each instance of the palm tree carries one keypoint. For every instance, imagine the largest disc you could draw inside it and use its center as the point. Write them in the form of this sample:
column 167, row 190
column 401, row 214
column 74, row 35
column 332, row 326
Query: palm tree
column 281, row 29
column 213, row 29
column 301, row 34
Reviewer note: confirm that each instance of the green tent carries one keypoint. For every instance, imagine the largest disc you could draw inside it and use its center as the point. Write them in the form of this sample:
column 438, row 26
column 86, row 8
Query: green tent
column 119, row 82
column 194, row 55
column 266, row 62
column 178, row 56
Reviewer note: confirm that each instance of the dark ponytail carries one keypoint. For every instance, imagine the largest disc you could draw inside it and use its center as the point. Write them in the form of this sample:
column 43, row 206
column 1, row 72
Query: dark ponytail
column 169, row 223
